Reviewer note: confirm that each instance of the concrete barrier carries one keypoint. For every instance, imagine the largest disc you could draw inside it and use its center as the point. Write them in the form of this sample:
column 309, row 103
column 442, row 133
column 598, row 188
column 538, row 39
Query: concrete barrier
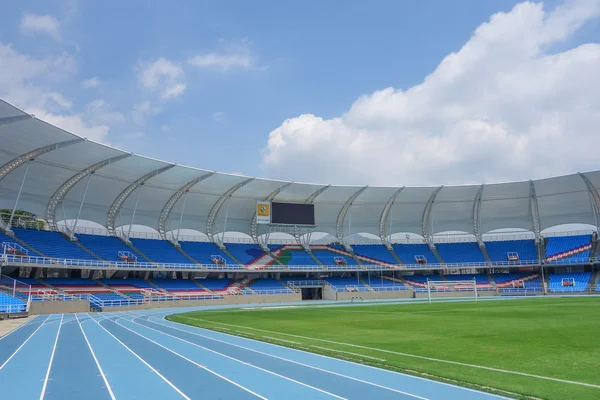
column 396, row 294
column 59, row 307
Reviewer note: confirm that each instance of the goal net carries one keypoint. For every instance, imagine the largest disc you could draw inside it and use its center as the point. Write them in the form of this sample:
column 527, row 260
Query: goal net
column 466, row 288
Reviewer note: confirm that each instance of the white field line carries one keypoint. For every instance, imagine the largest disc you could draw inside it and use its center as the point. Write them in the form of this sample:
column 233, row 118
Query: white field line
column 505, row 371
column 142, row 360
column 110, row 392
column 281, row 340
column 346, row 352
column 295, row 362
column 51, row 359
column 192, row 362
column 240, row 361
column 23, row 344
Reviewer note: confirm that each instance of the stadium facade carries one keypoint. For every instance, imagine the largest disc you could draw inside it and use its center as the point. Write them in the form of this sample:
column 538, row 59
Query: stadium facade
column 59, row 177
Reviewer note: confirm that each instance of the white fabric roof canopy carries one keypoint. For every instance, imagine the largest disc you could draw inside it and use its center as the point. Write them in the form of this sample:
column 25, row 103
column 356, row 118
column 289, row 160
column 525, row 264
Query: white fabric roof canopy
column 561, row 200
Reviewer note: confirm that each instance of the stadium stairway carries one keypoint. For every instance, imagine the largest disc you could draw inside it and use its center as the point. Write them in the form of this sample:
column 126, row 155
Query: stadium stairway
column 135, row 250
column 437, row 255
column 393, row 253
column 224, row 250
column 485, row 254
column 357, row 257
column 262, row 262
column 593, row 281
column 184, row 253
column 492, row 281
column 362, row 280
column 82, row 247
column 115, row 291
column 310, row 253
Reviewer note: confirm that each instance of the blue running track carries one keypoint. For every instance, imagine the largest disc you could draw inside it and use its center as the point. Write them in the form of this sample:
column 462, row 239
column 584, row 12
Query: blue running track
column 140, row 355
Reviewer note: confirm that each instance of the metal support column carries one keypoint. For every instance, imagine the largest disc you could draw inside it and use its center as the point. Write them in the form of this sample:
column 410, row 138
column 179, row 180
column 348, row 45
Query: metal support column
column 87, row 185
column 181, row 216
column 12, row 214
column 137, row 199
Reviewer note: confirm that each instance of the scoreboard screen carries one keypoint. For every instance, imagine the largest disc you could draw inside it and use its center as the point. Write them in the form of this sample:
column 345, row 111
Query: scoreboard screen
column 292, row 213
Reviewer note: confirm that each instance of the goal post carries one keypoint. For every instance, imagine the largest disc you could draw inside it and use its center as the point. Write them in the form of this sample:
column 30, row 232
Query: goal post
column 468, row 287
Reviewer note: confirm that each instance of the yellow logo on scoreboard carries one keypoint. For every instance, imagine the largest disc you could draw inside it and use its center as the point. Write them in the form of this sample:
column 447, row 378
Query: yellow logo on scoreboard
column 263, row 209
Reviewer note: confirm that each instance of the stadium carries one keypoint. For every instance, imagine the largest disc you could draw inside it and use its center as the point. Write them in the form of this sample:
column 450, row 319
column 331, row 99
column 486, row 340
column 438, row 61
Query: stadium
column 97, row 253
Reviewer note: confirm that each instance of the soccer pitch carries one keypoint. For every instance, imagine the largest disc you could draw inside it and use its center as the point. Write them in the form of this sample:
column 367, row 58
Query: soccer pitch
column 531, row 348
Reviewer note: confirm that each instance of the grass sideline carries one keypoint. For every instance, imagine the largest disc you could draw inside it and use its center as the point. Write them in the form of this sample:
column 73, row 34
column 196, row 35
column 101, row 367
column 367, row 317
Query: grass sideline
column 552, row 337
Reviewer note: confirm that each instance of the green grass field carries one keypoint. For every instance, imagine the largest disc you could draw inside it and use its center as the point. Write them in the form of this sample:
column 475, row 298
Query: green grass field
column 553, row 338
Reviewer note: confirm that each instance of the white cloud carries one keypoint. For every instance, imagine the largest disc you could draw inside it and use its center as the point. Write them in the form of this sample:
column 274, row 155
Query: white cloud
column 44, row 24
column 162, row 76
column 504, row 107
column 165, row 128
column 235, row 55
column 100, row 112
column 142, row 111
column 28, row 83
column 91, row 83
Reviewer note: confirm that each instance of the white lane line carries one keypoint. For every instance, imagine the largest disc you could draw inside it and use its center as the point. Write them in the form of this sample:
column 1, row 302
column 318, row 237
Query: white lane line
column 23, row 344
column 243, row 362
column 346, row 352
column 112, row 395
column 51, row 359
column 20, row 326
column 195, row 363
column 299, row 363
column 142, row 360
column 411, row 355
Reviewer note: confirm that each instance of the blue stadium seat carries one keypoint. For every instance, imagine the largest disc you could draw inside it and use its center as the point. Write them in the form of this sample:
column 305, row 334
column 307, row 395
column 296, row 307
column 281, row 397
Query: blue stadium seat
column 460, row 252
column 52, row 244
column 245, row 253
column 269, row 285
column 376, row 252
column 105, row 247
column 407, row 253
column 341, row 284
column 160, row 251
column 558, row 249
column 580, row 282
column 203, row 251
column 498, row 250
column 10, row 304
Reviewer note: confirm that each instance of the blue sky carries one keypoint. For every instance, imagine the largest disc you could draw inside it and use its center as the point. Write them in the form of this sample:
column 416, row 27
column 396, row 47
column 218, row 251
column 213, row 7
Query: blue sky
column 258, row 64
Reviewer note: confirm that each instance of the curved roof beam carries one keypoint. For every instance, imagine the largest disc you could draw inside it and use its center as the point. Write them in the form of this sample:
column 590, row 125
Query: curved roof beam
column 594, row 199
column 316, row 194
column 270, row 197
column 62, row 191
column 385, row 213
column 164, row 214
column 477, row 215
column 535, row 212
column 116, row 205
column 425, row 224
column 212, row 215
column 339, row 228
column 29, row 156
column 16, row 118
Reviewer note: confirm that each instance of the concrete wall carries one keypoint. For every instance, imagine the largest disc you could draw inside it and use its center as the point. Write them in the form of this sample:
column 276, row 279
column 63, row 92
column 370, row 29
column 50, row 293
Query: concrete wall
column 398, row 294
column 58, row 307
column 254, row 299
column 329, row 293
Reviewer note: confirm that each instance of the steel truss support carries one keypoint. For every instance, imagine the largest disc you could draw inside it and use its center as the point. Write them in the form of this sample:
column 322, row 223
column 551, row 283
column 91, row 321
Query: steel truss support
column 12, row 214
column 87, row 185
column 116, row 205
column 426, row 213
column 594, row 199
column 339, row 227
column 212, row 215
column 316, row 194
column 254, row 228
column 30, row 156
column 535, row 212
column 16, row 118
column 477, row 216
column 384, row 232
column 164, row 214
column 62, row 191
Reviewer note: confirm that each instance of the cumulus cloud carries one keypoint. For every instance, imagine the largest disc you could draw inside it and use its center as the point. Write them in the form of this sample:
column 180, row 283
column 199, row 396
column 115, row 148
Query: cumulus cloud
column 504, row 107
column 234, row 55
column 28, row 83
column 44, row 24
column 91, row 83
column 162, row 76
column 219, row 116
